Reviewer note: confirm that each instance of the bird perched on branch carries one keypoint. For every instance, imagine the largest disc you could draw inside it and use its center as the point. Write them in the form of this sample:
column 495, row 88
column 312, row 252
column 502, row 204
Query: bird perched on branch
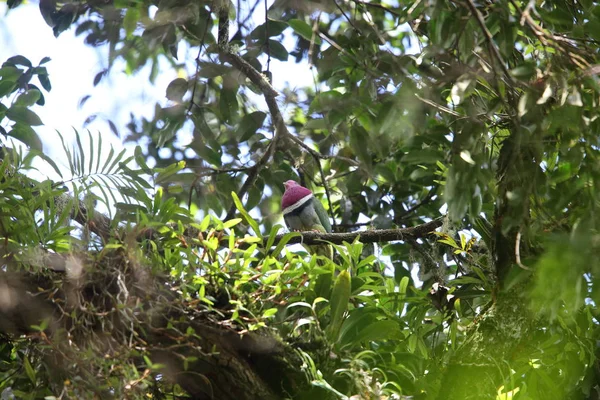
column 302, row 211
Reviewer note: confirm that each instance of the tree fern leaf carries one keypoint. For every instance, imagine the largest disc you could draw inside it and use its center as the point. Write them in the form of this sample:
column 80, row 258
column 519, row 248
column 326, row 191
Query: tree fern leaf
column 48, row 160
column 91, row 155
column 106, row 194
column 99, row 153
column 111, row 153
column 109, row 178
column 68, row 153
column 116, row 161
column 80, row 153
column 116, row 185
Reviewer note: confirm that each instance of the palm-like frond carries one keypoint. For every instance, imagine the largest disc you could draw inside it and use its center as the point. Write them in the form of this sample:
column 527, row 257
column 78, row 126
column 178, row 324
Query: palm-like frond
column 110, row 179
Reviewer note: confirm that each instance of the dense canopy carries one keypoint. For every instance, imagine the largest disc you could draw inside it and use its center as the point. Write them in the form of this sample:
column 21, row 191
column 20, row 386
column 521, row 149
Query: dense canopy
column 454, row 144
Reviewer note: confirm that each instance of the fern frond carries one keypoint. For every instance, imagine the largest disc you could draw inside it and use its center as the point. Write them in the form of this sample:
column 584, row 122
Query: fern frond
column 110, row 177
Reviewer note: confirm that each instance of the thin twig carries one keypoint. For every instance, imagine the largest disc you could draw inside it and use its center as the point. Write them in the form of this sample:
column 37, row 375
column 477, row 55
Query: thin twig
column 425, row 200
column 346, row 16
column 438, row 106
column 208, row 19
column 315, row 153
column 377, row 5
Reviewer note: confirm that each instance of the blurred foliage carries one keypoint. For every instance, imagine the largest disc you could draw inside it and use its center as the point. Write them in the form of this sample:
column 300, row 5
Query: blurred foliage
column 488, row 109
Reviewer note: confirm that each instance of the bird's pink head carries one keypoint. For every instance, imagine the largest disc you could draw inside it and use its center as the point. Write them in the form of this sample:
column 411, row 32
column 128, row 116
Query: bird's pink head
column 293, row 193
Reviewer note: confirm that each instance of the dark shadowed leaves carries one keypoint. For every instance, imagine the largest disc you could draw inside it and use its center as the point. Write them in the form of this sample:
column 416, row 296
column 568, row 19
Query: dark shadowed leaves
column 177, row 89
column 249, row 124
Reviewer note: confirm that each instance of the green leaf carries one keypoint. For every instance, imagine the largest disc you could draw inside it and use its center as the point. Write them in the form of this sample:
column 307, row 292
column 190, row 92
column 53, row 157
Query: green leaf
column 6, row 87
column 231, row 223
column 340, row 296
column 272, row 235
column 28, row 98
column 277, row 50
column 43, row 78
column 10, row 73
column 206, row 153
column 140, row 159
column 165, row 173
column 378, row 330
column 274, row 27
column 205, row 223
column 130, row 20
column 304, row 30
column 23, row 114
column 19, row 60
column 249, row 124
column 29, row 370
column 228, row 105
column 325, row 101
column 253, row 224
column 49, row 160
column 524, row 71
column 269, row 312
column 27, row 135
column 284, row 240
column 425, row 156
column 403, row 286
column 177, row 89
column 592, row 27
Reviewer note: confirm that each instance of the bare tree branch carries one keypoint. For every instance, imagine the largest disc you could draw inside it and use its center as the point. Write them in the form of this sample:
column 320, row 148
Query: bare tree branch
column 369, row 236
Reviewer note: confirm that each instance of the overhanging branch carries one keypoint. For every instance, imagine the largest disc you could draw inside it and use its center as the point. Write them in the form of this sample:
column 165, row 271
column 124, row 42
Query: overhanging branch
column 369, row 236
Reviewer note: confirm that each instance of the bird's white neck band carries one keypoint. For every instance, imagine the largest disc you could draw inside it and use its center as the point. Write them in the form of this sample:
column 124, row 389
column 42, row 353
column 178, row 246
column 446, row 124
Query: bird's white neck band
column 297, row 204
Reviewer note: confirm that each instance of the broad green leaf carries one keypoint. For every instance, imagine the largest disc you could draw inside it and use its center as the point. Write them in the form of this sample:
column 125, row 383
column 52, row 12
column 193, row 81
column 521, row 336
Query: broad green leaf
column 27, row 135
column 276, row 50
column 228, row 105
column 303, row 29
column 377, row 330
column 28, row 98
column 23, row 114
column 19, row 60
column 249, row 124
column 269, row 29
column 177, row 89
column 340, row 296
column 6, row 87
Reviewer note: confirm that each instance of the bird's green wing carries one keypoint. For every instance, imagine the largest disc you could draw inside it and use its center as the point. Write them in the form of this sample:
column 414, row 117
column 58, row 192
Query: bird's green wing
column 322, row 214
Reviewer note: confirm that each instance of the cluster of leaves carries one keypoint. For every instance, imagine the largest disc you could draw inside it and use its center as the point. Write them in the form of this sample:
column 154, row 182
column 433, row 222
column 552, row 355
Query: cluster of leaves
column 16, row 75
